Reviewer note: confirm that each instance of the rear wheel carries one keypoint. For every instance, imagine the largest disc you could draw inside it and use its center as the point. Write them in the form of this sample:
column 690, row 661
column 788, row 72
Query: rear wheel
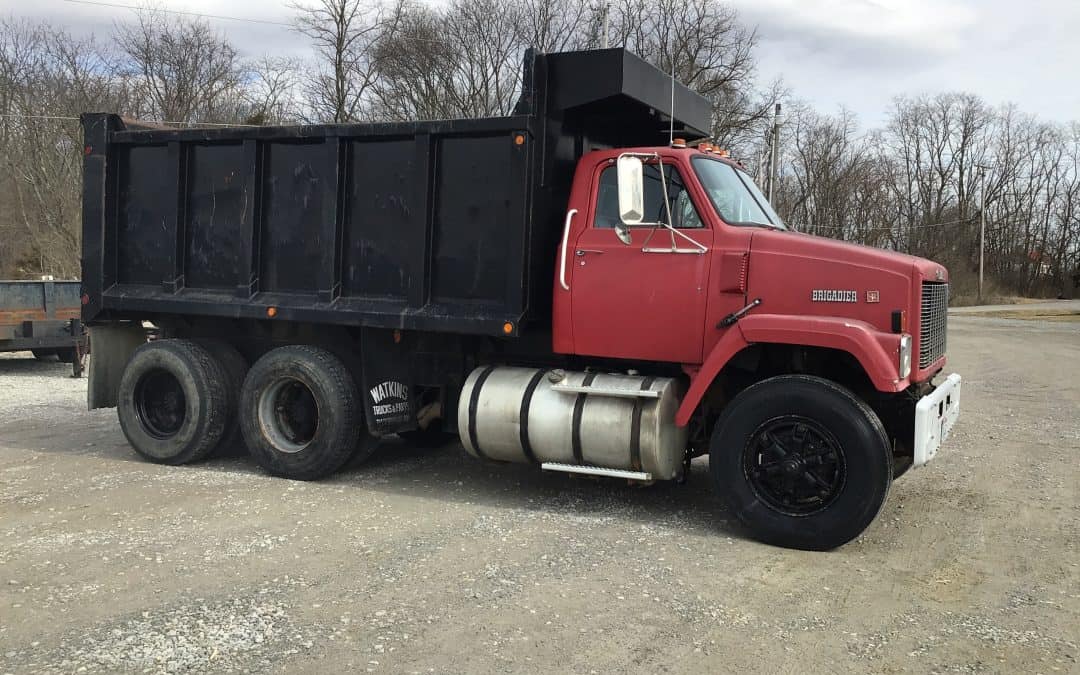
column 801, row 462
column 235, row 367
column 300, row 412
column 172, row 402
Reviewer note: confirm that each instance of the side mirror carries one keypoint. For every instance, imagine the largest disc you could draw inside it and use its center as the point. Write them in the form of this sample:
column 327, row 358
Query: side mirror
column 631, row 191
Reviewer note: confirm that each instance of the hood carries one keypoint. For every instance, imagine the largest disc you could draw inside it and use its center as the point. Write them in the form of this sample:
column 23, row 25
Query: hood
column 796, row 273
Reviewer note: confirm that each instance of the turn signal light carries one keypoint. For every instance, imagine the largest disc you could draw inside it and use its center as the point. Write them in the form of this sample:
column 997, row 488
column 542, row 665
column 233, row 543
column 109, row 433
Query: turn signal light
column 899, row 321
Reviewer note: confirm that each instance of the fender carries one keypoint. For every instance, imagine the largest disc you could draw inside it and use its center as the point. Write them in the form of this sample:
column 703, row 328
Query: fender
column 876, row 352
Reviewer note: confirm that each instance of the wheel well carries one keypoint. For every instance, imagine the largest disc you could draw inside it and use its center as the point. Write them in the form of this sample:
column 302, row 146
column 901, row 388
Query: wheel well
column 761, row 361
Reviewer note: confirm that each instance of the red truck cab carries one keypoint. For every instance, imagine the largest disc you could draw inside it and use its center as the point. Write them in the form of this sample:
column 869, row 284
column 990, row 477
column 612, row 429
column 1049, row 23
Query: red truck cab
column 733, row 296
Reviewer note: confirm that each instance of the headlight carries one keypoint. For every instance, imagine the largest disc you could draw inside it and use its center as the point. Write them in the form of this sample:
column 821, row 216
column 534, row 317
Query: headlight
column 905, row 355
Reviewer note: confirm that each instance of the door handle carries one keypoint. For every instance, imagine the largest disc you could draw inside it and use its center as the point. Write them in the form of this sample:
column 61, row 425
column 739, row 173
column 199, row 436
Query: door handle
column 583, row 251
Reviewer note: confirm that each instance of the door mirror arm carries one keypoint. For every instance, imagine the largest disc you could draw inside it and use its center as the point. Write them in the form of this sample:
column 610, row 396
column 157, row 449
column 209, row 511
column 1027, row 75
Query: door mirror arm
column 631, row 178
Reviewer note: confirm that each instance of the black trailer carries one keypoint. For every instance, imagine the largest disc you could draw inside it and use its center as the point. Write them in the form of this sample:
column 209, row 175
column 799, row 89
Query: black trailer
column 410, row 250
column 43, row 317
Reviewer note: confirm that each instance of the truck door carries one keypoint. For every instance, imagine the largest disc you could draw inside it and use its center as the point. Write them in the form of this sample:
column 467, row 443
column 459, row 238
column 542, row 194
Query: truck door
column 643, row 300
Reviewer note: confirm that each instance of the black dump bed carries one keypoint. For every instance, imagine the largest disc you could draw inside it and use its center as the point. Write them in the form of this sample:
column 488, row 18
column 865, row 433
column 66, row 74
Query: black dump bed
column 445, row 226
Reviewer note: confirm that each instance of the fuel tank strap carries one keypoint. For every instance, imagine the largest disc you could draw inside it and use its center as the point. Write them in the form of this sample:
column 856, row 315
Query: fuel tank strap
column 575, row 429
column 523, row 416
column 635, row 427
column 474, row 401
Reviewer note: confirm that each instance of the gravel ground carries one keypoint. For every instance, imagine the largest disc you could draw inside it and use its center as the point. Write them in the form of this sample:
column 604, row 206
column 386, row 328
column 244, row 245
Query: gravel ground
column 427, row 561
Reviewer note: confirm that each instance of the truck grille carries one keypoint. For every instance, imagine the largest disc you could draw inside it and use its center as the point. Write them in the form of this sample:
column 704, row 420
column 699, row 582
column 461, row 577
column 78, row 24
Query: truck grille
column 933, row 322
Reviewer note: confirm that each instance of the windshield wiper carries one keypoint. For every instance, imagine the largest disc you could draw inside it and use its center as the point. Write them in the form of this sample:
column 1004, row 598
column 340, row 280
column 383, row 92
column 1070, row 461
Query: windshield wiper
column 770, row 226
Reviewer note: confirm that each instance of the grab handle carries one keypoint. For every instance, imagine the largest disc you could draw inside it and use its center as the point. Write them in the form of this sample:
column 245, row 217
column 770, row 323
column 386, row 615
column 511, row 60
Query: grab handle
column 562, row 260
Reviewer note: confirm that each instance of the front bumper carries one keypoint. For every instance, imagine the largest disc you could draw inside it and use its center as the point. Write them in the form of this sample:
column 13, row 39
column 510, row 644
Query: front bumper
column 935, row 415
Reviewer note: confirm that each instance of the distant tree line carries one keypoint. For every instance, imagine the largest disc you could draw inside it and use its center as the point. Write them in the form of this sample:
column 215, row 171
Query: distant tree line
column 919, row 185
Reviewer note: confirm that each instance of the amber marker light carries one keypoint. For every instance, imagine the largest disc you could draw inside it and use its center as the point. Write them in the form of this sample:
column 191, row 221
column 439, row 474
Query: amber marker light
column 508, row 328
column 271, row 312
column 519, row 139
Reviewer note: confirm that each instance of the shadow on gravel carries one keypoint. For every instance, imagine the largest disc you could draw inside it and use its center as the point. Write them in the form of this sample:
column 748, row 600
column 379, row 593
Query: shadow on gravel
column 13, row 366
column 445, row 474
column 449, row 474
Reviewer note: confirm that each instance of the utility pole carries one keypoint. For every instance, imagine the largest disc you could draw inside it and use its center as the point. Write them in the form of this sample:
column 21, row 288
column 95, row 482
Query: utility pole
column 774, row 154
column 982, row 228
column 607, row 13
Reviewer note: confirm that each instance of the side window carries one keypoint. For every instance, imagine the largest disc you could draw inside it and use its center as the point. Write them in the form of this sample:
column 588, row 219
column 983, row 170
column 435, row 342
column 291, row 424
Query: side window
column 682, row 208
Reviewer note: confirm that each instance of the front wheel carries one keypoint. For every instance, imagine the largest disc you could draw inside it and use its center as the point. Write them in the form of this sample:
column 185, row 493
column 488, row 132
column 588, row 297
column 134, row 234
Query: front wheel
column 801, row 462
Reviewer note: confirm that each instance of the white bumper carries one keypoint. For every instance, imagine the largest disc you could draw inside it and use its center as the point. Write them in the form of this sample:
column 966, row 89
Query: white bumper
column 935, row 414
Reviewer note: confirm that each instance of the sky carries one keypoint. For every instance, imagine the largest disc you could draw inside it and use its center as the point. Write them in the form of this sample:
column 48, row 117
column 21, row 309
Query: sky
column 855, row 54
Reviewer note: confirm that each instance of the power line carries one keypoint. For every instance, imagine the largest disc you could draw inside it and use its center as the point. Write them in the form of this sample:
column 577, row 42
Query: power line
column 178, row 11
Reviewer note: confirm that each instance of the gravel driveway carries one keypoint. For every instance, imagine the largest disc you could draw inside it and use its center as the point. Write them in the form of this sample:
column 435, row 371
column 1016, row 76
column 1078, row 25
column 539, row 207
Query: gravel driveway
column 427, row 561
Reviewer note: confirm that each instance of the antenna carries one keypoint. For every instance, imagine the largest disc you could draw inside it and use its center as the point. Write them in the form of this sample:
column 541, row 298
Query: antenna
column 671, row 127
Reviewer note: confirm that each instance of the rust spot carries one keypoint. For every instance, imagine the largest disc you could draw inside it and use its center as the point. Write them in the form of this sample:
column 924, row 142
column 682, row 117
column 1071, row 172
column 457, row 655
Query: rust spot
column 20, row 315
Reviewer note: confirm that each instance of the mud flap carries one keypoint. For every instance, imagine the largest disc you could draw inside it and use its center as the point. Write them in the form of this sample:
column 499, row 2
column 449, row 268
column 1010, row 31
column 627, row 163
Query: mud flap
column 113, row 346
column 387, row 382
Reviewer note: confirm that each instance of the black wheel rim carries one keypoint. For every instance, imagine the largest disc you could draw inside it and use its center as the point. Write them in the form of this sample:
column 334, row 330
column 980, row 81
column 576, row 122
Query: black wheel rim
column 794, row 465
column 288, row 414
column 160, row 404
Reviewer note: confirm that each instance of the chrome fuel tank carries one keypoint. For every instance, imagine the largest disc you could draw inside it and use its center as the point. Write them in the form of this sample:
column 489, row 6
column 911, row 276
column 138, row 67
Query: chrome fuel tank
column 605, row 420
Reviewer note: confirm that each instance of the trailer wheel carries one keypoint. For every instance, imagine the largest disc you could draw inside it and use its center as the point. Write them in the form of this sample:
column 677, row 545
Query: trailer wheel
column 235, row 367
column 172, row 401
column 67, row 354
column 43, row 354
column 300, row 412
column 801, row 462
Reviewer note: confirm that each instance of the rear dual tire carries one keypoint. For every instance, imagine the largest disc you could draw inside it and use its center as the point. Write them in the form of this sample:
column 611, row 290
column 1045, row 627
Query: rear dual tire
column 173, row 402
column 297, row 410
column 300, row 412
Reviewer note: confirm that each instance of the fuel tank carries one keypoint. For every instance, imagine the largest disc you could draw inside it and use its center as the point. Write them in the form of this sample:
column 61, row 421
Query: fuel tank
column 612, row 421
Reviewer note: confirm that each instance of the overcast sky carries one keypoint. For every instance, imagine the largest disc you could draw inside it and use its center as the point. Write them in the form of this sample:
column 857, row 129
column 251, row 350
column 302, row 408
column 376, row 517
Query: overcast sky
column 853, row 53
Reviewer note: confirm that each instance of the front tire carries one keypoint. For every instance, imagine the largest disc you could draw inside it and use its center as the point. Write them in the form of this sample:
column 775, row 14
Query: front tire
column 801, row 462
column 300, row 412
column 172, row 402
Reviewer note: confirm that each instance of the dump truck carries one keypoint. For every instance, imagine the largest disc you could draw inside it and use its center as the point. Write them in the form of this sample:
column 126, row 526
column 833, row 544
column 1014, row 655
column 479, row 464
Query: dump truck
column 584, row 285
column 44, row 318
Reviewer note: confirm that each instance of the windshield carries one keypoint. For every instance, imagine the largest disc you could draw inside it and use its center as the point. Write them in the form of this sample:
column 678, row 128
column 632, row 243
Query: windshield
column 734, row 195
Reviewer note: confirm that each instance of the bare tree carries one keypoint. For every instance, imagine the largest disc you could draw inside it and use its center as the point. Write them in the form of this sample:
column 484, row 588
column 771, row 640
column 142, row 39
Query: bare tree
column 184, row 70
column 46, row 77
column 343, row 34
column 270, row 94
